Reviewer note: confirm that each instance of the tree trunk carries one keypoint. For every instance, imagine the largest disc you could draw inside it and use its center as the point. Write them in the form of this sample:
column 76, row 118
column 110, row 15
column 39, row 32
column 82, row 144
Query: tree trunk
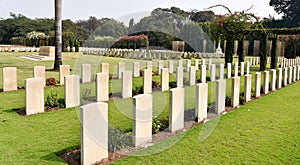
column 274, row 54
column 240, row 51
column 58, row 34
column 263, row 52
column 229, row 50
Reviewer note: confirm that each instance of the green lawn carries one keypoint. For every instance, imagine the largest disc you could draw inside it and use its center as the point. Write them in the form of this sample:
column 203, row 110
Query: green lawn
column 35, row 139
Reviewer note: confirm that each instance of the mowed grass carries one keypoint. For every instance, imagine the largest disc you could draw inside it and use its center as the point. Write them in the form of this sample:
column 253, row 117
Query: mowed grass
column 264, row 131
column 35, row 139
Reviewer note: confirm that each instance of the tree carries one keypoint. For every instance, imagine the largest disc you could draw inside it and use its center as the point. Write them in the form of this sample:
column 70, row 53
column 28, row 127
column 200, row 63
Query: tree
column 58, row 34
column 289, row 8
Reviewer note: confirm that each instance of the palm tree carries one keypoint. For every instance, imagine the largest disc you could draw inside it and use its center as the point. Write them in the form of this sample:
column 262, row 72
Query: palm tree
column 58, row 33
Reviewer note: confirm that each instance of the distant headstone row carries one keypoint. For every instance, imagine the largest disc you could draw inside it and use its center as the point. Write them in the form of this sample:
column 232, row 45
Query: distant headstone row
column 12, row 48
column 144, row 54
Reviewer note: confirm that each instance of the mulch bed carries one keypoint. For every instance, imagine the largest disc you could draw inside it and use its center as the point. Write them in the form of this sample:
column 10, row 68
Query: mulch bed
column 73, row 157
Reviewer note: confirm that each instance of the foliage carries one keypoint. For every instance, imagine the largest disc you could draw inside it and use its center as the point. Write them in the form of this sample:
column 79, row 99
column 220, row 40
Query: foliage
column 291, row 41
column 289, row 9
column 117, row 139
column 173, row 84
column 132, row 42
column 52, row 101
column 228, row 101
column 137, row 90
column 159, row 124
column 231, row 26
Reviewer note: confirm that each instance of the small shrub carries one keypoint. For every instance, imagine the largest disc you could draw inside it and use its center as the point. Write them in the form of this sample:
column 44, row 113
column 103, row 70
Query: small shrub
column 159, row 124
column 155, row 72
column 173, row 84
column 111, row 76
column 185, row 81
column 242, row 98
column 52, row 101
column 252, row 92
column 138, row 90
column 228, row 101
column 155, row 84
column 117, row 139
column 50, row 81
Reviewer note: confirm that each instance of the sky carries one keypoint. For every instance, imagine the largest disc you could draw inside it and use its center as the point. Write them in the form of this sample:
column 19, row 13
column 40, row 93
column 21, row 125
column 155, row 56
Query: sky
column 78, row 10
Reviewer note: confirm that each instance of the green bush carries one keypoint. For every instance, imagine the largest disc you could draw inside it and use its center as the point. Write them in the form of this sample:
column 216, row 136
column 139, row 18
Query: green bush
column 159, row 124
column 173, row 84
column 52, row 101
column 118, row 139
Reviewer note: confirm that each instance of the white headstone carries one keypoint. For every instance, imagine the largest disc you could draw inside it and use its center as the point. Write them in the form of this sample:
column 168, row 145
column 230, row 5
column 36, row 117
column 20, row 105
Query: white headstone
column 121, row 68
column 213, row 72
column 176, row 112
column 147, row 81
column 136, row 69
column 39, row 72
column 72, row 91
column 247, row 87
column 102, row 81
column 64, row 70
column 126, row 84
column 34, row 95
column 86, row 73
column 9, row 78
column 201, row 101
column 273, row 79
column 228, row 70
column 179, row 76
column 164, row 79
column 266, row 82
column 142, row 119
column 94, row 132
column 220, row 96
column 203, row 74
column 235, row 91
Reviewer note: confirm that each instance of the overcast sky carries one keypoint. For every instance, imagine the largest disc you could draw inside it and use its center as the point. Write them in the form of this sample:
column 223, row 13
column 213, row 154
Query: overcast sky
column 82, row 9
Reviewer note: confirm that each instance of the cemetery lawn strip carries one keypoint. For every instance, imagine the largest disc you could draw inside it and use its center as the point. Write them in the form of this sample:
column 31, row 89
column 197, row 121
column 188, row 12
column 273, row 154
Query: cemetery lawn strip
column 36, row 139
column 264, row 131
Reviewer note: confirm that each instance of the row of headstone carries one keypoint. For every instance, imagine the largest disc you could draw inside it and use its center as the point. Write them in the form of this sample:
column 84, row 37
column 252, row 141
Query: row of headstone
column 18, row 49
column 256, row 48
column 148, row 54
